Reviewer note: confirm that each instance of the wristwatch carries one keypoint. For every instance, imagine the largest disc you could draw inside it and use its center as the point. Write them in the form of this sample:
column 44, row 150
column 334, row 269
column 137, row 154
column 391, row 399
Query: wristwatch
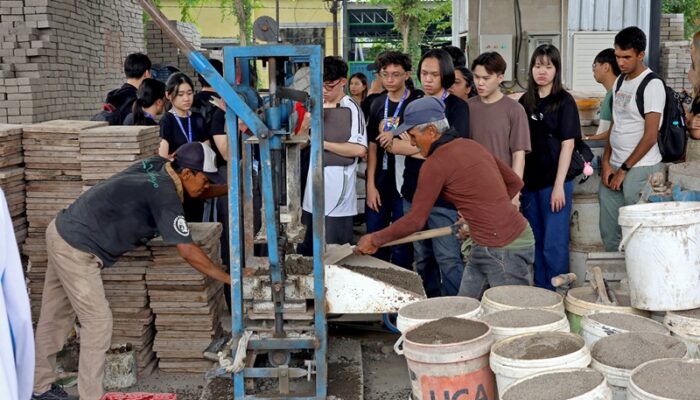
column 625, row 167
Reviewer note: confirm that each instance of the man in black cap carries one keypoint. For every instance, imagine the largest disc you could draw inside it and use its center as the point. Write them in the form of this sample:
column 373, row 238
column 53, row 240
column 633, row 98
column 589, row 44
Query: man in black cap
column 112, row 218
column 480, row 186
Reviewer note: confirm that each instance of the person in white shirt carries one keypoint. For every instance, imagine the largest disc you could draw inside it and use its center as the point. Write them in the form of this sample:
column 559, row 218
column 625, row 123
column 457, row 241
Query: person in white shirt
column 339, row 181
column 16, row 334
column 632, row 153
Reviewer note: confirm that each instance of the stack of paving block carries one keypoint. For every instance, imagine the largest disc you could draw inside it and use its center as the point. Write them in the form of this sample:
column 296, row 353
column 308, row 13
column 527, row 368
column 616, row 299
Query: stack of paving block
column 107, row 150
column 187, row 304
column 125, row 288
column 161, row 49
column 12, row 177
column 675, row 52
column 52, row 170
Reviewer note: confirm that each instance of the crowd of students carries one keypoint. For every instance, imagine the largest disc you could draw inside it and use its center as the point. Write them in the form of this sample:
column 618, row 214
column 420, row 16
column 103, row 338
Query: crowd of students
column 534, row 136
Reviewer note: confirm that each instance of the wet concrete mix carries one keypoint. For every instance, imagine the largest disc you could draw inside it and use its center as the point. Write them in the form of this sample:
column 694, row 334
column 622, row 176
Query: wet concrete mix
column 540, row 346
column 404, row 280
column 522, row 318
column 672, row 379
column 629, row 350
column 629, row 322
column 440, row 307
column 447, row 331
column 523, row 296
column 555, row 386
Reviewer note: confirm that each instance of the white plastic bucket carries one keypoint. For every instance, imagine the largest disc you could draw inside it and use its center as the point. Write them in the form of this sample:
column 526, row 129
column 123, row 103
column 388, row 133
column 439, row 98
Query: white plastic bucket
column 598, row 325
column 507, row 323
column 686, row 325
column 452, row 368
column 582, row 301
column 681, row 380
column 564, row 384
column 511, row 297
column 618, row 355
column 662, row 255
column 520, row 356
column 583, row 223
column 423, row 311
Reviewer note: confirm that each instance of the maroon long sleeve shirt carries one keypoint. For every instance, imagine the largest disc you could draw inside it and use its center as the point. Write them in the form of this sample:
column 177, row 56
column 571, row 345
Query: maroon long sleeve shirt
column 479, row 185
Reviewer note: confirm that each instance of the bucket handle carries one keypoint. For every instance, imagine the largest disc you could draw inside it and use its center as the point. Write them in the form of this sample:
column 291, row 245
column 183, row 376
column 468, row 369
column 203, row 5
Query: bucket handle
column 398, row 349
column 627, row 238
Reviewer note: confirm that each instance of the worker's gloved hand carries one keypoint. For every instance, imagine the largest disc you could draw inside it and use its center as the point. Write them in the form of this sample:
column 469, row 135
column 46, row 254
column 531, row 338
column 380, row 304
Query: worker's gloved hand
column 365, row 245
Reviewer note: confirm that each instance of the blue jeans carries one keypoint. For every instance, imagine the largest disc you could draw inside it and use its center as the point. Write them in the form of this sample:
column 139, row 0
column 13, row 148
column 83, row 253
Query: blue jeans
column 491, row 266
column 390, row 211
column 439, row 260
column 551, row 230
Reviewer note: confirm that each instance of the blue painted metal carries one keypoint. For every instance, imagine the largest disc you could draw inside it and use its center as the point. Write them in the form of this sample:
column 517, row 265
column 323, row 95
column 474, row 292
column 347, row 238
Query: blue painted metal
column 270, row 136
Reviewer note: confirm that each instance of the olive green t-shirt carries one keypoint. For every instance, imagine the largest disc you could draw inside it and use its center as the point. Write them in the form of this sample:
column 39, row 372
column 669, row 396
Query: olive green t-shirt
column 606, row 107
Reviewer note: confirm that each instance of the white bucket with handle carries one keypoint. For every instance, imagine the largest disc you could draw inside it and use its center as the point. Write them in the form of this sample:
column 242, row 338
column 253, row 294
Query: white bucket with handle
column 661, row 242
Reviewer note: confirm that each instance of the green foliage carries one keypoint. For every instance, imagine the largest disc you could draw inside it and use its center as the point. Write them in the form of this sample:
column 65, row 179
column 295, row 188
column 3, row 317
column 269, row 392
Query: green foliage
column 243, row 11
column 689, row 8
column 412, row 18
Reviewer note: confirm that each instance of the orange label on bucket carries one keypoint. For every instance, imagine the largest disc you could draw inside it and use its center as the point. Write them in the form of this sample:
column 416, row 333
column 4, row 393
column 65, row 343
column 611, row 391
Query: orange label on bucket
column 478, row 385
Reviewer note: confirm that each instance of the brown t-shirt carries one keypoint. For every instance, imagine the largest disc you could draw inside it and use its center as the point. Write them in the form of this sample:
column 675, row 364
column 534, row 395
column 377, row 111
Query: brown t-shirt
column 501, row 127
column 479, row 185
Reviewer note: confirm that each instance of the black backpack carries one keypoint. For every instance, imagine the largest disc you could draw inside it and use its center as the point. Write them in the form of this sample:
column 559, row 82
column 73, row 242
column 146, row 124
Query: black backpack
column 672, row 135
column 112, row 114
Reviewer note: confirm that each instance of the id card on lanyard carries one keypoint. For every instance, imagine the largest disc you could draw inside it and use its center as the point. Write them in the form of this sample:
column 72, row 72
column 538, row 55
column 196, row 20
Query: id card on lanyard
column 390, row 125
column 188, row 133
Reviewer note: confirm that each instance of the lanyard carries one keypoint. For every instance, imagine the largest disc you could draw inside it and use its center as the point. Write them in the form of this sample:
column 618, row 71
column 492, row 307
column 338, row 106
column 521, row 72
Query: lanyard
column 444, row 96
column 188, row 134
column 390, row 126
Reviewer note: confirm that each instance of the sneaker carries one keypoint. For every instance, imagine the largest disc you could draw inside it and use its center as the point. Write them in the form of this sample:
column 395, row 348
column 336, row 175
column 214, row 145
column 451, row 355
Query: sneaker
column 55, row 393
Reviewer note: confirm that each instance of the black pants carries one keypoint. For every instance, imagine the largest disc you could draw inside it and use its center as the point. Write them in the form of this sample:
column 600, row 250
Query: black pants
column 338, row 231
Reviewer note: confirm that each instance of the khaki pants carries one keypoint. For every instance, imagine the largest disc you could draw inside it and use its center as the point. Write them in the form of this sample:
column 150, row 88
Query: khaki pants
column 73, row 286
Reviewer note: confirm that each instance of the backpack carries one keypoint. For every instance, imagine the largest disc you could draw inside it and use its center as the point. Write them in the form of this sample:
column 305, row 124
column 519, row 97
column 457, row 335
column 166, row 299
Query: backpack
column 111, row 114
column 581, row 157
column 672, row 134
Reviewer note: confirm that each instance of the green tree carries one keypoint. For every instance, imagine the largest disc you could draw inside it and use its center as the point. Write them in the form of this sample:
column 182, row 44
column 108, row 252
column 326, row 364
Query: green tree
column 412, row 18
column 243, row 11
column 689, row 8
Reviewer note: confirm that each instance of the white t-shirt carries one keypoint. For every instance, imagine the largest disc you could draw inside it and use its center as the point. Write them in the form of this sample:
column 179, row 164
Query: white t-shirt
column 628, row 124
column 339, row 181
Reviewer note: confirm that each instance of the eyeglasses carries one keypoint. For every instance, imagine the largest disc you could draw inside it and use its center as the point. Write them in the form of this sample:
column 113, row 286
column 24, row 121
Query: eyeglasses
column 331, row 85
column 394, row 75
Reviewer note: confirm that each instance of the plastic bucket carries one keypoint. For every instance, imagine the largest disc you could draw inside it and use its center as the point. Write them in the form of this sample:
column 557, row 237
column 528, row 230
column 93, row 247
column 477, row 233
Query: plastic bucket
column 662, row 254
column 565, row 384
column 583, row 223
column 618, row 355
column 423, row 311
column 686, row 325
column 668, row 379
column 598, row 325
column 582, row 301
column 507, row 323
column 520, row 356
column 448, row 358
column 511, row 297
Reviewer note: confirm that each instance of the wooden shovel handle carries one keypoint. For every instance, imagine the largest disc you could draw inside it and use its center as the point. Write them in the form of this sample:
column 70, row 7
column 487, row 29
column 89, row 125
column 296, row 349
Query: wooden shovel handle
column 427, row 234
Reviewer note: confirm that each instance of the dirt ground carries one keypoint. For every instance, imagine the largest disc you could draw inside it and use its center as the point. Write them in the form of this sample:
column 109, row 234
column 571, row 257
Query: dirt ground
column 385, row 373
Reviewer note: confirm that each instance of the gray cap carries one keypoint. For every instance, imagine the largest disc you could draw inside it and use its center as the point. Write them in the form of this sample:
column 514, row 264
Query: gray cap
column 422, row 111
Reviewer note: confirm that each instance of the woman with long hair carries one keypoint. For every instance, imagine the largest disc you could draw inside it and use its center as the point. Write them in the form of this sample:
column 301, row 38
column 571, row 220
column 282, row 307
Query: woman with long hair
column 547, row 196
column 150, row 103
column 357, row 88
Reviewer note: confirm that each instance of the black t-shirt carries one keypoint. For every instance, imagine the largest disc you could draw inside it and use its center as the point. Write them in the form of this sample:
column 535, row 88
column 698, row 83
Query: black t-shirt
column 129, row 120
column 218, row 127
column 367, row 103
column 547, row 130
column 695, row 105
column 385, row 179
column 457, row 113
column 124, row 212
column 176, row 137
column 203, row 107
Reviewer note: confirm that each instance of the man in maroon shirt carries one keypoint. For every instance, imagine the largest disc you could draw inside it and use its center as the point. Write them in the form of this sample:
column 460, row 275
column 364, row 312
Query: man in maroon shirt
column 480, row 186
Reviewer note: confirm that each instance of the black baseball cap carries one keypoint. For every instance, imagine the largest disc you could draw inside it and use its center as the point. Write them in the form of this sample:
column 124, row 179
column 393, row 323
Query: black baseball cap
column 198, row 157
